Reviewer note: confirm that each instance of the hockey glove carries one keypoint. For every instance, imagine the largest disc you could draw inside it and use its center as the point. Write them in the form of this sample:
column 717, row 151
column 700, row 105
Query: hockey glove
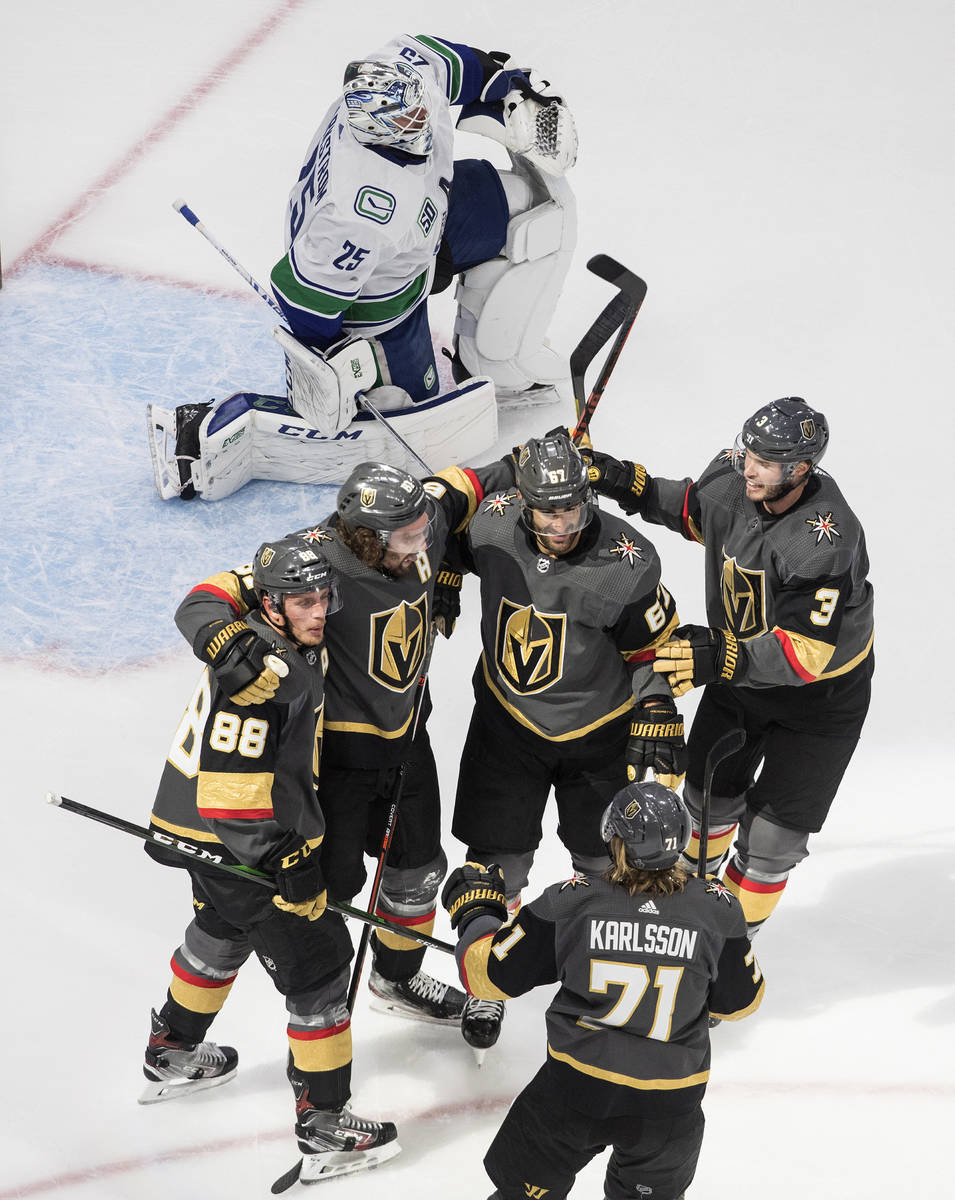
column 246, row 667
column 656, row 743
column 624, row 482
column 298, row 876
column 697, row 656
column 446, row 606
column 474, row 891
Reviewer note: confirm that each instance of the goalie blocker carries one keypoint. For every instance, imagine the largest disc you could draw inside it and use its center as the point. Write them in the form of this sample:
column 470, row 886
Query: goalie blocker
column 211, row 450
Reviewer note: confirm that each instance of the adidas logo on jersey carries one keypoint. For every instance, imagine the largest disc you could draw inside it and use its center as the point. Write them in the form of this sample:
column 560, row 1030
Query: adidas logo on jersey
column 649, row 907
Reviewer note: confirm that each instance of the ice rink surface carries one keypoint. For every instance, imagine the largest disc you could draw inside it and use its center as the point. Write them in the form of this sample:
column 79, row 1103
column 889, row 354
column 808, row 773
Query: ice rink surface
column 781, row 175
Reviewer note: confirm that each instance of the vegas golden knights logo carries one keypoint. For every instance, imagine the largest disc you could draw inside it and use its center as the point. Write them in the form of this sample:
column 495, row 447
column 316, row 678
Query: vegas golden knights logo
column 808, row 427
column 744, row 599
column 533, row 1192
column 398, row 644
column 529, row 647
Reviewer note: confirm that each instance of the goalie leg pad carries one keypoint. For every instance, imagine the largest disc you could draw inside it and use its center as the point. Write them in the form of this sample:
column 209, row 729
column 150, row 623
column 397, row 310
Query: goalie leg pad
column 506, row 305
column 260, row 437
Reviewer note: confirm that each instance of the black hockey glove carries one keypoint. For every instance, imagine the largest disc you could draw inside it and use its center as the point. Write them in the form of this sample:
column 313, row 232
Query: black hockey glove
column 298, row 876
column 624, row 482
column 656, row 742
column 246, row 667
column 698, row 655
column 474, row 891
column 446, row 606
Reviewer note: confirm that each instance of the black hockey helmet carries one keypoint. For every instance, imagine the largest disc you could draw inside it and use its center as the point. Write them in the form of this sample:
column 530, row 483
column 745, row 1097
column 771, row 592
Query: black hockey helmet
column 289, row 566
column 653, row 822
column 786, row 431
column 552, row 477
column 383, row 498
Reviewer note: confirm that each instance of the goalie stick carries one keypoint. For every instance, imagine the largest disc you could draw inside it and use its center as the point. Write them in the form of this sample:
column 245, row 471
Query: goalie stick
column 617, row 318
column 722, row 748
column 187, row 850
column 186, row 212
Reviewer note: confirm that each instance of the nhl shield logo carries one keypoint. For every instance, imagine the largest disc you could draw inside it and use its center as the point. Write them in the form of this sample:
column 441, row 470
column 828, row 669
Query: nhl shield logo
column 529, row 647
column 398, row 644
column 744, row 598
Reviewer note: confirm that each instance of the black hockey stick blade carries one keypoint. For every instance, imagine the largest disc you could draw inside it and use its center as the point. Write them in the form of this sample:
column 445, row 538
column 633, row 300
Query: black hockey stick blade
column 605, row 267
column 284, row 1182
column 616, row 318
column 721, row 749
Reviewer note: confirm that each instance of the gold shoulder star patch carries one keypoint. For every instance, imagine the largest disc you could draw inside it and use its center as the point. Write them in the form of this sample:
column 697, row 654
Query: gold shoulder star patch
column 823, row 527
column 719, row 890
column 317, row 535
column 497, row 504
column 626, row 547
column 574, row 882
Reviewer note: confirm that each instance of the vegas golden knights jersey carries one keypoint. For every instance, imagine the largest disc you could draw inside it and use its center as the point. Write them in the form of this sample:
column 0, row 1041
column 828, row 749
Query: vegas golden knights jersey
column 378, row 640
column 567, row 640
column 794, row 587
column 238, row 778
column 628, row 1030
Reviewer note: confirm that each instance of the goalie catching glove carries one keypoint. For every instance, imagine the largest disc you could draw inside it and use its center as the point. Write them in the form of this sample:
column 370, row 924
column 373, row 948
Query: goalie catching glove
column 698, row 655
column 656, row 743
column 246, row 666
column 474, row 891
column 298, row 877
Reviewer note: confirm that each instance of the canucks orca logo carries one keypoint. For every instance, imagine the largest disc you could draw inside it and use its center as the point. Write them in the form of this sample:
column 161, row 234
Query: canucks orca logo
column 744, row 598
column 398, row 644
column 529, row 647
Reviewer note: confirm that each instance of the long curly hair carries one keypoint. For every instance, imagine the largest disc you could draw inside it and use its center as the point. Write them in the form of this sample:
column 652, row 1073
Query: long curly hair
column 364, row 543
column 639, row 879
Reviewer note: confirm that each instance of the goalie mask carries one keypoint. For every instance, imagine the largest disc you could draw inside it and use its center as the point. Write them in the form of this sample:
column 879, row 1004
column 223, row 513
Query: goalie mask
column 386, row 499
column 290, row 567
column 386, row 106
column 653, row 823
column 787, row 432
column 553, row 481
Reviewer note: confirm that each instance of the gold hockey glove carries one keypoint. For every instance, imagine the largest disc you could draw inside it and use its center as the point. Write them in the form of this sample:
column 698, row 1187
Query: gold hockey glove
column 446, row 607
column 656, row 743
column 474, row 891
column 247, row 668
column 698, row 655
column 298, row 876
column 624, row 482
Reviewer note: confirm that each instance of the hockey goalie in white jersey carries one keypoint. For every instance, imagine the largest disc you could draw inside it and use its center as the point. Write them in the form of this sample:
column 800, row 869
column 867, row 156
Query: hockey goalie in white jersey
column 380, row 218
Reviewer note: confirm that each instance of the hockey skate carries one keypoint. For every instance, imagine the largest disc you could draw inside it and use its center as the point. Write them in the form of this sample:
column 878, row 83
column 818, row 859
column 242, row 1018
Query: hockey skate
column 481, row 1025
column 177, row 1068
column 420, row 998
column 337, row 1143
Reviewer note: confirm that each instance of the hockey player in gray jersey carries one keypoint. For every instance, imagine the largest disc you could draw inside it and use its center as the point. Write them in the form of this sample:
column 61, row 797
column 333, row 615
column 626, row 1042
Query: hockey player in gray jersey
column 643, row 955
column 385, row 540
column 787, row 655
column 572, row 608
column 241, row 783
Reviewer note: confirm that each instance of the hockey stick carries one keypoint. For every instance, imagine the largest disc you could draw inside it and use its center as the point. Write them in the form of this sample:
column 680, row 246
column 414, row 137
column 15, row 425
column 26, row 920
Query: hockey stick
column 185, row 211
column 205, row 859
column 617, row 318
column 390, row 820
column 722, row 748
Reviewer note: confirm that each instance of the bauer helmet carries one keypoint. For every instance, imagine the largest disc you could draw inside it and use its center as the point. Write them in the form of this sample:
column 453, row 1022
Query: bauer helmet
column 653, row 822
column 385, row 499
column 552, row 477
column 290, row 567
column 385, row 105
column 787, row 432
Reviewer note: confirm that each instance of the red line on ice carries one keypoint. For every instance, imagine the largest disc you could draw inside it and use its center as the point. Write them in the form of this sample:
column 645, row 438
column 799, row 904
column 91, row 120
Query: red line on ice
column 217, row 76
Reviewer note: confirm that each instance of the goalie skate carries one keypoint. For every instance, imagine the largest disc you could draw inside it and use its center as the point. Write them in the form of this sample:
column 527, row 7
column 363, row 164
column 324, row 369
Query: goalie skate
column 174, row 447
